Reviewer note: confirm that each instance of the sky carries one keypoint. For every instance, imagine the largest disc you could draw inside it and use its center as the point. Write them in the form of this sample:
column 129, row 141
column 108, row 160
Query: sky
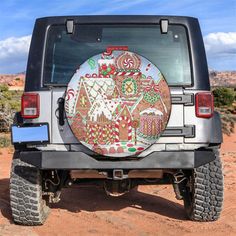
column 217, row 20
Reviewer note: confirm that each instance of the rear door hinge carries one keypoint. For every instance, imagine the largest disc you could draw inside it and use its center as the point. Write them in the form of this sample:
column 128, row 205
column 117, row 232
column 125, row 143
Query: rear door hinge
column 187, row 131
column 185, row 99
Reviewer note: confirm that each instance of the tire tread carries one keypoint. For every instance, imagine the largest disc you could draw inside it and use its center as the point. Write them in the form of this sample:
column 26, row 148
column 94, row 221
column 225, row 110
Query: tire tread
column 28, row 207
column 207, row 199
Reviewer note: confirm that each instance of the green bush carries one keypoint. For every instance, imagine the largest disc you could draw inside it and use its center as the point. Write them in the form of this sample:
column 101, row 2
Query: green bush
column 10, row 103
column 3, row 88
column 5, row 142
column 228, row 123
column 223, row 97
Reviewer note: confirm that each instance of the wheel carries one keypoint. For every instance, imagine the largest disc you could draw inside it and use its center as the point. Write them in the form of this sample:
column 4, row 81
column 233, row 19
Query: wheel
column 204, row 192
column 27, row 205
column 113, row 106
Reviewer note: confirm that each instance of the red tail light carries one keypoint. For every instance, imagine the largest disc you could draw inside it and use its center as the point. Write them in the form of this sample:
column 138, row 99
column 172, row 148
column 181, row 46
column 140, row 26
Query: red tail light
column 204, row 105
column 30, row 105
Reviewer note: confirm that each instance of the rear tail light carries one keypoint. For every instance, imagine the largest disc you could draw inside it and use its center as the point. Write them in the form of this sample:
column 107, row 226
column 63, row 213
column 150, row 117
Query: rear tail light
column 204, row 104
column 30, row 105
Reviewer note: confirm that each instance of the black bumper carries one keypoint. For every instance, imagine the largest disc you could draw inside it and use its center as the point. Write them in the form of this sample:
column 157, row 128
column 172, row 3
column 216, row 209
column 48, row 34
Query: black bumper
column 79, row 160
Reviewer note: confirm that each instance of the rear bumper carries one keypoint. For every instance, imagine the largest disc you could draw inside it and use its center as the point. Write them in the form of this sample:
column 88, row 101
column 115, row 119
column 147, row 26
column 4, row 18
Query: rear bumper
column 79, row 160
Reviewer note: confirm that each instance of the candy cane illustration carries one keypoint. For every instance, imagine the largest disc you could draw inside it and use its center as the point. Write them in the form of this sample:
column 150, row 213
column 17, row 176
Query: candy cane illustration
column 70, row 94
column 148, row 67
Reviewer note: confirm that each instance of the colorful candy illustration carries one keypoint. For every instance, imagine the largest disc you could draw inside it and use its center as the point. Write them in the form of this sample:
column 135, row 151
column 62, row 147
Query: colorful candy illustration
column 91, row 63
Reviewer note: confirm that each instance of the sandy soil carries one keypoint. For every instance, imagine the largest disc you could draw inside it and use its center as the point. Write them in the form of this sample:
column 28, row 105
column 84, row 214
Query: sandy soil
column 150, row 210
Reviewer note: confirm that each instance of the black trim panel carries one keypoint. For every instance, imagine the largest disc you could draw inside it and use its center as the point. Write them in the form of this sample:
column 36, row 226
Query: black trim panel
column 187, row 131
column 186, row 99
column 216, row 130
column 80, row 160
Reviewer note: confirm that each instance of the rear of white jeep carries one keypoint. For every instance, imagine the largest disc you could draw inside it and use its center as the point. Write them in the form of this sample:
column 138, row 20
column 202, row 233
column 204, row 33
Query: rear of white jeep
column 47, row 155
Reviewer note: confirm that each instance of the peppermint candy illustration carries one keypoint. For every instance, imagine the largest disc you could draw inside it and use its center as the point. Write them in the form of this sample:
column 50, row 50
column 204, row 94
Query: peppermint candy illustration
column 128, row 63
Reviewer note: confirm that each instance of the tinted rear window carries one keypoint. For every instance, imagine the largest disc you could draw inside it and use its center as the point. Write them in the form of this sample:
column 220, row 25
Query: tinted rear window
column 65, row 52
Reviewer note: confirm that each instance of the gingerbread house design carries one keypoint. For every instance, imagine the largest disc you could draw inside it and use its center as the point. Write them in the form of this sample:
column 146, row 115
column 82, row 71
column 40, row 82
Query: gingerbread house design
column 128, row 75
column 150, row 123
column 79, row 127
column 99, row 123
column 106, row 65
column 123, row 128
column 83, row 101
column 118, row 109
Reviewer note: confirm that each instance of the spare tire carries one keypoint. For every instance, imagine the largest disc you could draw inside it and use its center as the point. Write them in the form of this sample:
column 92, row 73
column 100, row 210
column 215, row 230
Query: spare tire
column 117, row 104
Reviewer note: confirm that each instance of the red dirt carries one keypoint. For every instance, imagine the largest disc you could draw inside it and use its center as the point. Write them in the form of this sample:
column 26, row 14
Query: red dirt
column 150, row 210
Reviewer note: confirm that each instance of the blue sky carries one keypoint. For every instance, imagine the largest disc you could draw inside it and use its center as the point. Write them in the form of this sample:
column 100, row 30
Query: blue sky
column 217, row 19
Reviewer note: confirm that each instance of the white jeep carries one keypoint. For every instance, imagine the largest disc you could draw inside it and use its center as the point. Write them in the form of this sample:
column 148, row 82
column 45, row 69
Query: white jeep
column 121, row 100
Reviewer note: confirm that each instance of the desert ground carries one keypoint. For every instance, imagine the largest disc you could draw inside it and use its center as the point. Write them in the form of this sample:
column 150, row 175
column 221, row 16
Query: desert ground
column 148, row 210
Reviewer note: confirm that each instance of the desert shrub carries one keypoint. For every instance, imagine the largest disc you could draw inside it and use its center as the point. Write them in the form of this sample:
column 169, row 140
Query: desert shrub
column 228, row 120
column 228, row 123
column 223, row 97
column 9, row 104
column 3, row 88
column 5, row 142
column 15, row 105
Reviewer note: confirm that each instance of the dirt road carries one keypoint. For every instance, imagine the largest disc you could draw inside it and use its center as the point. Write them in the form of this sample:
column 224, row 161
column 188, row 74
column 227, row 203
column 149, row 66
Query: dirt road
column 150, row 210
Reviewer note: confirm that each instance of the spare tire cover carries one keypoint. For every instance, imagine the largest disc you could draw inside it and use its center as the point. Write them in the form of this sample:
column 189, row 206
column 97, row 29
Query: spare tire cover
column 117, row 104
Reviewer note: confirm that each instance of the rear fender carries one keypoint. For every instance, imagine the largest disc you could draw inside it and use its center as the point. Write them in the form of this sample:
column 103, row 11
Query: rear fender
column 216, row 130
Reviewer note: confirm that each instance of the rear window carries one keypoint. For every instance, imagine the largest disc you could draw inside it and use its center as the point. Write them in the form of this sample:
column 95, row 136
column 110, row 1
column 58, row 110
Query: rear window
column 65, row 52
